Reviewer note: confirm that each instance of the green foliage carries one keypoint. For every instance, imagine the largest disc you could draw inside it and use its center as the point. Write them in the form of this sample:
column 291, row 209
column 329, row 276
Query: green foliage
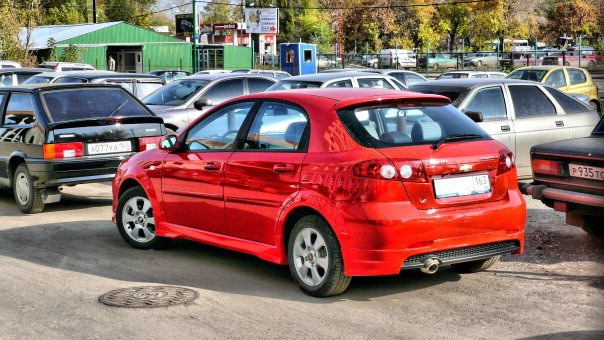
column 67, row 12
column 136, row 12
column 71, row 54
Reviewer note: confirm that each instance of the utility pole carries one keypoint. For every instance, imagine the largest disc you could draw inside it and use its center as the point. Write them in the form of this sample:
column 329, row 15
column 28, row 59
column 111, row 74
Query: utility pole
column 94, row 11
column 194, row 66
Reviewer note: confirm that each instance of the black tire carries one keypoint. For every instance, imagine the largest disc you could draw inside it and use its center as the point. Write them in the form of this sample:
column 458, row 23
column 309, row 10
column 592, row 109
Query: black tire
column 139, row 235
column 593, row 225
column 333, row 281
column 475, row 266
column 28, row 198
column 595, row 105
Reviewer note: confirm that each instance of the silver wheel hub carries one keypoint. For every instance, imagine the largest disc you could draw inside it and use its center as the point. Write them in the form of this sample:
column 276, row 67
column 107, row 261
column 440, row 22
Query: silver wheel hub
column 22, row 189
column 137, row 219
column 310, row 256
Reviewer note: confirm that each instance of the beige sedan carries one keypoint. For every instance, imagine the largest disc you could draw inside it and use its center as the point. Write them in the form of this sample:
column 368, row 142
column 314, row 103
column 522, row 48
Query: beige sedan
column 518, row 113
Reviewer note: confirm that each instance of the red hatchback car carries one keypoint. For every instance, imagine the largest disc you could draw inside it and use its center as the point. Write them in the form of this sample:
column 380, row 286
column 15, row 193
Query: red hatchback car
column 334, row 182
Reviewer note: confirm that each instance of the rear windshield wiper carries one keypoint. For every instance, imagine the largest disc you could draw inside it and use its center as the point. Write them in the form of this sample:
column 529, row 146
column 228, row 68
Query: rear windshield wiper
column 455, row 137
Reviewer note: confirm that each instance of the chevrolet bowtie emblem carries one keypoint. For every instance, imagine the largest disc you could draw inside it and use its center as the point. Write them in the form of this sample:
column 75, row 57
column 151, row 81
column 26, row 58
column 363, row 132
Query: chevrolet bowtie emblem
column 465, row 167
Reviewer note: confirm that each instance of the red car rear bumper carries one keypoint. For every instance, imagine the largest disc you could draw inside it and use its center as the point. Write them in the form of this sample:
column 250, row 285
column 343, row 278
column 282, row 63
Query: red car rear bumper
column 399, row 231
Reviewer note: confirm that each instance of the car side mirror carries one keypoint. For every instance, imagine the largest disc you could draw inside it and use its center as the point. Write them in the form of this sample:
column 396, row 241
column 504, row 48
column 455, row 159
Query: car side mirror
column 474, row 115
column 202, row 102
column 169, row 142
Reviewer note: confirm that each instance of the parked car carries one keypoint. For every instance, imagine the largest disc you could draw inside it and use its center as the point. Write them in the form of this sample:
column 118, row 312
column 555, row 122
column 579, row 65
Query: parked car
column 54, row 135
column 481, row 59
column 571, row 58
column 471, row 74
column 183, row 100
column 438, row 60
column 569, row 177
column 389, row 58
column 9, row 64
column 16, row 76
column 407, row 78
column 338, row 79
column 324, row 62
column 141, row 85
column 370, row 60
column 51, row 77
column 170, row 75
column 212, row 71
column 517, row 113
column 567, row 79
column 65, row 66
column 333, row 182
column 274, row 73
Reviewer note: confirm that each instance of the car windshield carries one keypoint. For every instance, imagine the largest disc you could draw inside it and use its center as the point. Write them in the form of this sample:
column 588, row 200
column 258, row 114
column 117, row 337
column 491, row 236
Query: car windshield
column 534, row 75
column 38, row 80
column 452, row 76
column 86, row 103
column 294, row 85
column 176, row 93
column 391, row 126
column 454, row 93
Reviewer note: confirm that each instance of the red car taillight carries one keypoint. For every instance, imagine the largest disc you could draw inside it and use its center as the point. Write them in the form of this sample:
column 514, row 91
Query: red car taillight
column 411, row 170
column 63, row 150
column 148, row 143
column 542, row 166
column 406, row 170
column 506, row 162
column 377, row 169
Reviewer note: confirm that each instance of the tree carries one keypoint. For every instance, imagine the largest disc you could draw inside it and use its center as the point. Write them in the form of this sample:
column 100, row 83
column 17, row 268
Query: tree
column 65, row 13
column 573, row 17
column 136, row 12
column 219, row 12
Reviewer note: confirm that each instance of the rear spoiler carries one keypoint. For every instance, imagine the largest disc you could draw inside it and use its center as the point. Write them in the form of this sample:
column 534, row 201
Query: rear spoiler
column 103, row 121
column 404, row 100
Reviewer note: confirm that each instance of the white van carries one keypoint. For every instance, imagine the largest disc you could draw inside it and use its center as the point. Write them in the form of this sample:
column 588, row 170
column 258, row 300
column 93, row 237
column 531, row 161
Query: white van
column 520, row 45
column 389, row 57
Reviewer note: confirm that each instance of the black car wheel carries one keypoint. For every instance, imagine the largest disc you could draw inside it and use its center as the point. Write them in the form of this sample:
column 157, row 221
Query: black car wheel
column 28, row 198
column 314, row 257
column 136, row 222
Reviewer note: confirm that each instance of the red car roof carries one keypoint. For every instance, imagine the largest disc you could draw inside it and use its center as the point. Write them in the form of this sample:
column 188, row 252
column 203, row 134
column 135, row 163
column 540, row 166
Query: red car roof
column 346, row 97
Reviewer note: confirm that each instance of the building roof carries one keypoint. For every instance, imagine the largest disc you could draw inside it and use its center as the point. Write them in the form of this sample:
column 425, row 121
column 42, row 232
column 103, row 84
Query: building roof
column 41, row 34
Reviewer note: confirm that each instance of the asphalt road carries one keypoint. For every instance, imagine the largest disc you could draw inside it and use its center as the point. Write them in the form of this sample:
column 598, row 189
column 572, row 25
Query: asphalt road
column 55, row 265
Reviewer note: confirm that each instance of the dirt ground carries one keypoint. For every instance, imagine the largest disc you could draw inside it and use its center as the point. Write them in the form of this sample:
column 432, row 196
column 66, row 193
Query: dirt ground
column 55, row 265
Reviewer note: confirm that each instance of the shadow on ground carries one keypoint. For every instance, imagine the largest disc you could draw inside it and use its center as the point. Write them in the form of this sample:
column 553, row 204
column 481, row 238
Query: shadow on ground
column 95, row 248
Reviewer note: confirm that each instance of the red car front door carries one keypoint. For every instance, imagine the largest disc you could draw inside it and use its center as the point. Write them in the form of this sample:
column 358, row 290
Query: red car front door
column 192, row 176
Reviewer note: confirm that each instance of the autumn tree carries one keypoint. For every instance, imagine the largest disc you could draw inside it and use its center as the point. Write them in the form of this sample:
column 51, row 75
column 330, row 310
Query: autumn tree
column 136, row 12
column 573, row 17
column 66, row 12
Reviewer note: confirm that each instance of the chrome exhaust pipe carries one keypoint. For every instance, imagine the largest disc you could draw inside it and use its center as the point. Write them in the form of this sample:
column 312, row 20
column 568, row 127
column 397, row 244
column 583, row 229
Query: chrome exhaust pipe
column 430, row 266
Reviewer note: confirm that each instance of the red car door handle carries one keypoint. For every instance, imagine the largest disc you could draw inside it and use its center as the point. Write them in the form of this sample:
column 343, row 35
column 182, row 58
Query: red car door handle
column 283, row 168
column 211, row 166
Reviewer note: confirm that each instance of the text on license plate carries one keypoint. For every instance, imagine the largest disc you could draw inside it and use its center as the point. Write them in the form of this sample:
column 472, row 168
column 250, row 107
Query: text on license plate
column 462, row 186
column 585, row 171
column 110, row 147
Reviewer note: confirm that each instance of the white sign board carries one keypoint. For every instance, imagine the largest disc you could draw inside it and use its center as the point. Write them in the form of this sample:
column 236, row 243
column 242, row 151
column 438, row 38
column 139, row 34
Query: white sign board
column 262, row 20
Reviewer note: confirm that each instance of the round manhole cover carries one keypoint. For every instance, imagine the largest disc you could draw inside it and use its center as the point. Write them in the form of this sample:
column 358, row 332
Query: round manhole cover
column 149, row 296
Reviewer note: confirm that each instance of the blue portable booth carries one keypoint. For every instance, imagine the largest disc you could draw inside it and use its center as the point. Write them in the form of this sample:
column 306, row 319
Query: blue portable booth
column 298, row 58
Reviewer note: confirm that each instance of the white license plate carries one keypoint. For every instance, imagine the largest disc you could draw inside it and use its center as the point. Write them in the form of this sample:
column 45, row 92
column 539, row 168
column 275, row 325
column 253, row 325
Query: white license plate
column 110, row 147
column 462, row 186
column 585, row 171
